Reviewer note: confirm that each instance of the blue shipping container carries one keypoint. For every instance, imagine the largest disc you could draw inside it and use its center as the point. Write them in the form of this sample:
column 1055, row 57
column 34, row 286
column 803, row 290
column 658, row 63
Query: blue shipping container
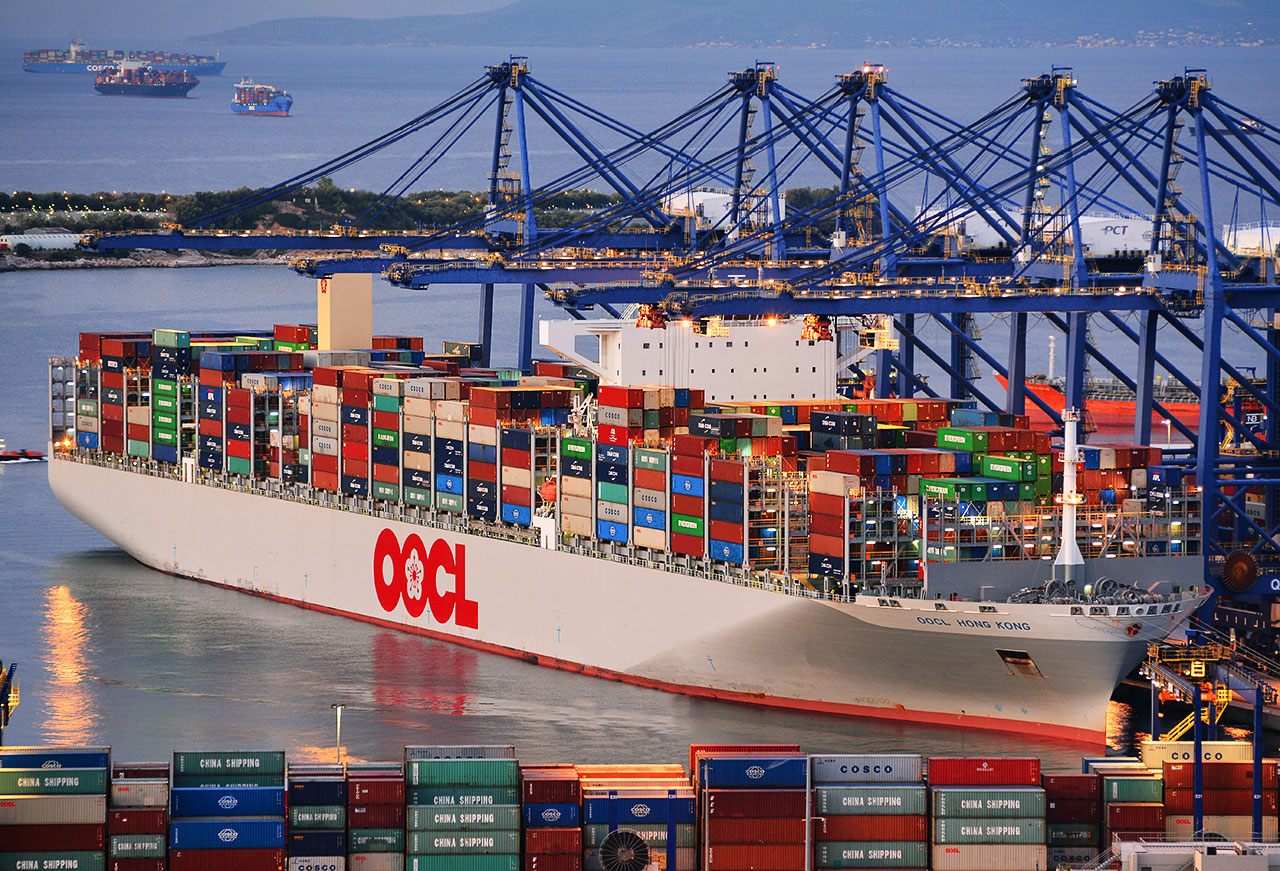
column 482, row 453
column 384, row 456
column 517, row 514
column 727, row 551
column 164, row 453
column 357, row 415
column 417, row 478
column 416, row 442
column 650, row 518
column 217, row 801
column 317, row 842
column 227, row 833
column 449, row 447
column 628, row 810
column 575, row 467
column 449, row 484
column 320, row 791
column 687, row 485
column 485, row 509
column 730, row 512
column 355, row 486
column 564, row 816
column 613, row 473
column 765, row 772
column 87, row 440
column 211, row 460
column 611, row 531
column 447, row 465
column 821, row 564
column 52, row 757
column 726, row 491
column 478, row 489
column 611, row 454
column 518, row 439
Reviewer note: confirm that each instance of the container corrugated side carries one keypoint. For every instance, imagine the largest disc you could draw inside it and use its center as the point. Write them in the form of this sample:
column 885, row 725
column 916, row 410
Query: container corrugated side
column 225, row 859
column 52, row 758
column 739, row 803
column 415, row 752
column 463, row 772
column 871, row 799
column 755, row 831
column 462, row 843
column 1132, row 789
column 375, row 862
column 655, row 836
column 455, row 863
column 65, row 860
column 776, row 857
column 1019, row 802
column 36, row 810
column 461, row 796
column 1233, row 828
column 327, row 816
column 437, row 819
column 317, row 863
column 867, row 768
column 873, row 854
column 991, row 857
column 228, row 762
column 1155, row 753
column 967, row 830
column 227, row 833
column 66, row 781
column 139, row 793
column 905, row 827
column 136, row 846
column 984, row 771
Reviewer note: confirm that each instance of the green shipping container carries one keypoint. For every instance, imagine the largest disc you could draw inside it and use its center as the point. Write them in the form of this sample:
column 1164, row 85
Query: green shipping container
column 462, row 843
column 385, row 403
column 987, row 830
column 66, row 781
column 1026, row 491
column 136, row 847
column 687, row 524
column 686, row 835
column 612, row 492
column 651, row 419
column 385, row 491
column 375, row 840
column 171, row 338
column 318, row 816
column 1072, row 834
column 959, row 439
column 446, row 862
column 418, row 496
column 870, row 800
column 646, row 458
column 73, row 861
column 219, row 762
column 87, row 407
column 385, row 438
column 239, row 466
column 164, row 420
column 164, row 403
column 729, row 446
column 872, row 854
column 451, row 502
column 463, row 772
column 575, row 447
column 1043, row 486
column 1132, row 789
column 462, row 819
column 947, row 488
column 461, row 796
column 161, row 436
column 1008, row 469
column 164, row 387
column 138, row 448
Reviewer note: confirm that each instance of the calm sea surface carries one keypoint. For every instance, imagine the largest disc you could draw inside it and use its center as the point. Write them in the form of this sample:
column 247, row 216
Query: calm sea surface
column 114, row 653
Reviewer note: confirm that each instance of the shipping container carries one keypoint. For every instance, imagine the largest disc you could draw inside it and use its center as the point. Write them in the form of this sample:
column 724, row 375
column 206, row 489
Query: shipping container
column 203, row 763
column 876, row 854
column 446, row 862
column 318, row 816
column 55, row 757
column 139, row 793
column 990, row 857
column 213, row 801
column 241, row 859
column 771, row 857
column 462, row 796
column 870, row 800
column 137, row 846
column 64, row 860
column 990, row 830
column 552, row 841
column 39, row 810
column 906, row 827
column 867, row 768
column 1020, row 802
column 66, row 781
column 249, row 833
column 77, row 838
column 427, row 819
column 462, row 843
column 1155, row 753
column 983, row 771
column 1219, row 775
column 1230, row 827
column 1132, row 789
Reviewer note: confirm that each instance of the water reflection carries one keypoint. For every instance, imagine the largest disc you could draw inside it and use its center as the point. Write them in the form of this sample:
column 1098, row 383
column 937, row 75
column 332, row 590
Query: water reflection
column 71, row 717
column 429, row 676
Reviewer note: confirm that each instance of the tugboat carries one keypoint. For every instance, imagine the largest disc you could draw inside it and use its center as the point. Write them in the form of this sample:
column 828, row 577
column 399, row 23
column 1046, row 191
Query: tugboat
column 255, row 99
column 140, row 80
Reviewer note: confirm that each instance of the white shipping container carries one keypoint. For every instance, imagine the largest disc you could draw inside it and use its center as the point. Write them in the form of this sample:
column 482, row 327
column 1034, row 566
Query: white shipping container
column 84, row 423
column 834, row 484
column 388, row 387
column 516, row 476
column 649, row 498
column 655, row 539
column 451, row 409
column 1154, row 754
column 481, row 435
column 576, row 487
column 138, row 414
column 330, row 429
column 448, row 429
column 375, row 861
column 867, row 768
column 52, row 810
column 317, row 863
column 1138, row 478
column 139, row 793
column 572, row 524
column 325, row 393
column 1106, row 458
column 304, row 404
column 259, row 381
column 1233, row 828
column 324, row 446
column 651, row 398
column 1072, row 856
column 326, row 411
column 611, row 511
column 418, row 388
column 990, row 857
column 415, row 424
column 417, row 406
column 415, row 460
column 578, row 506
column 609, row 415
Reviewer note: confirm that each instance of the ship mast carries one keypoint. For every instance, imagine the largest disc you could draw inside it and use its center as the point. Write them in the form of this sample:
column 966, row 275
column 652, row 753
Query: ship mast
column 1069, row 556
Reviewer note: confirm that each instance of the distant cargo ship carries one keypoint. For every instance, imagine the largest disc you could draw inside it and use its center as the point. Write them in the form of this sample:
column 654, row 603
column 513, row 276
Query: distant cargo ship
column 254, row 99
column 143, row 81
column 79, row 59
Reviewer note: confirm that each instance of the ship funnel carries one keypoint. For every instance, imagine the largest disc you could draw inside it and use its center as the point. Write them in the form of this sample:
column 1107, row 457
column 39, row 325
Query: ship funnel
column 1069, row 556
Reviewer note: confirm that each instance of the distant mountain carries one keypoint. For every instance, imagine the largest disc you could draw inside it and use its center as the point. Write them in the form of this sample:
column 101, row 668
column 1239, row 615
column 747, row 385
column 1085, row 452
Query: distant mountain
column 819, row 23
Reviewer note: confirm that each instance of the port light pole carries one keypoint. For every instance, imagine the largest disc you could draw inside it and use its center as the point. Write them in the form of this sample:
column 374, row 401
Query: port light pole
column 337, row 710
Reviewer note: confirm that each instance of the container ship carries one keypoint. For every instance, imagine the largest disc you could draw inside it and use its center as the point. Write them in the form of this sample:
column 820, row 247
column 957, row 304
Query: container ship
column 79, row 59
column 884, row 558
column 255, row 99
column 143, row 81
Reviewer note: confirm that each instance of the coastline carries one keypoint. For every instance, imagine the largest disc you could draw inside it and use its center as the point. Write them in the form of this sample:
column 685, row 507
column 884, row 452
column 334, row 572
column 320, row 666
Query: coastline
column 183, row 259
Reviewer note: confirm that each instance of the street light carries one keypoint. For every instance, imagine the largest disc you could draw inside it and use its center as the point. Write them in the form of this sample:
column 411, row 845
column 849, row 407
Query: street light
column 1168, row 432
column 337, row 709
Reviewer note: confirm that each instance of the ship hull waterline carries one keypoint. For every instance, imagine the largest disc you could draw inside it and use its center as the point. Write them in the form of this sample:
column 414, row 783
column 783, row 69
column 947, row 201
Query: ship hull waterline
column 648, row 627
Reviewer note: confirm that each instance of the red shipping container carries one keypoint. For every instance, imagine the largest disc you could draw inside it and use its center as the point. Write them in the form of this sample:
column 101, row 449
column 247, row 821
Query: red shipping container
column 755, row 803
column 223, row 860
column 911, row 827
column 734, row 857
column 620, row 397
column 386, row 420
column 690, row 505
column 355, row 432
column 825, row 503
column 1073, row 810
column 826, row 524
column 357, row 467
column 371, row 791
column 1070, row 786
column 551, row 841
column 113, row 379
column 746, row 830
column 723, row 530
column 386, row 474
column 518, row 459
column 326, row 376
column 239, row 449
column 135, row 864
column 728, row 470
column 324, row 480
column 138, row 431
column 112, row 412
column 482, row 416
column 1219, row 775
column 1219, row 802
column 646, row 479
column 238, row 415
column 210, row 427
column 28, row 839
column 983, row 771
column 238, row 397
column 1140, row 817
column 827, row 545
column 617, row 435
column 482, row 471
column 694, row 445
column 375, row 816
column 512, row 495
column 691, row 545
column 552, row 862
column 324, row 463
column 137, row 821
column 360, row 398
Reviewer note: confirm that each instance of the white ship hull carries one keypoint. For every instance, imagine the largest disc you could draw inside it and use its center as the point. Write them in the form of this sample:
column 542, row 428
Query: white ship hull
column 895, row 659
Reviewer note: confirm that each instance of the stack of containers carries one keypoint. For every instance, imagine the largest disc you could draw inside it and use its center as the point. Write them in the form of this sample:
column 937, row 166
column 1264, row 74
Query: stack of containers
column 988, row 814
column 125, row 365
column 574, row 486
column 88, row 392
column 415, row 441
column 227, row 809
column 172, row 397
column 830, row 494
column 450, row 455
column 481, row 475
column 552, row 815
column 1072, row 812
column 375, row 816
column 1133, row 802
column 869, row 811
column 355, row 395
column 138, row 820
column 841, row 430
column 385, row 438
column 726, row 511
column 689, row 455
column 317, row 802
column 475, row 838
column 54, row 807
column 325, row 414
column 1228, row 799
column 293, row 337
column 516, row 474
column 655, row 802
column 777, row 843
column 247, row 441
column 649, row 498
column 646, row 415
column 613, row 500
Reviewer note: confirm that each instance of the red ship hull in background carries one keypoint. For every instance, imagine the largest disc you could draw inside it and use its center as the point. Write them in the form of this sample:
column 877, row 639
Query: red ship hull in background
column 1107, row 413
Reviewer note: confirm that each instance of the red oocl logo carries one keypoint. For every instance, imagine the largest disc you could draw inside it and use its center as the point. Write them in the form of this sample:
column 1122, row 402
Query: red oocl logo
column 411, row 573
